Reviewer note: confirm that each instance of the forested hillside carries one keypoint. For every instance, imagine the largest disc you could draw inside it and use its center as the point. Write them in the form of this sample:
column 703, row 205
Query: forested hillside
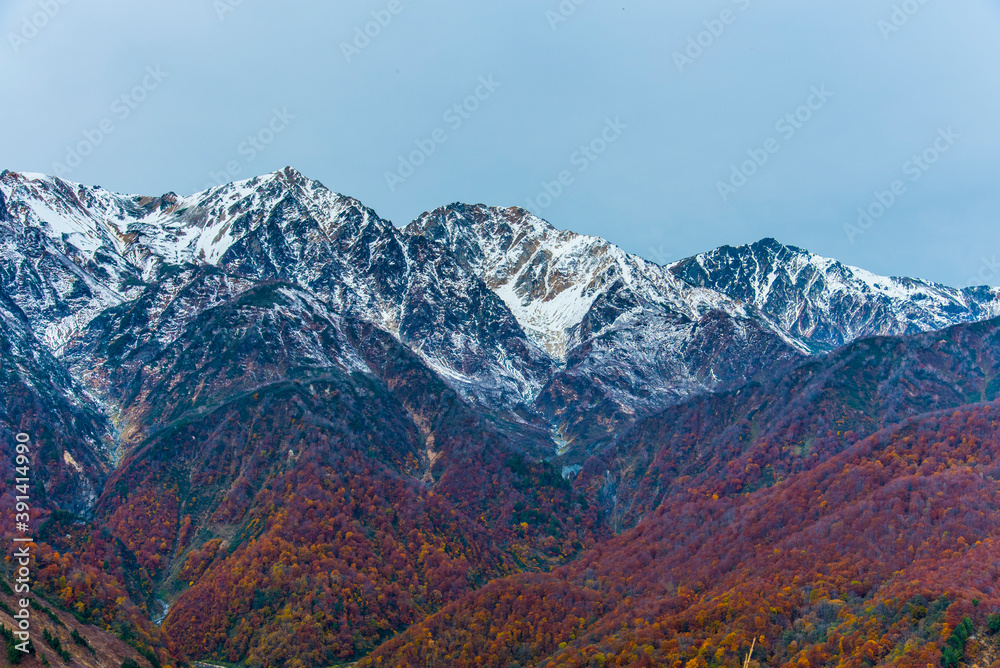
column 269, row 428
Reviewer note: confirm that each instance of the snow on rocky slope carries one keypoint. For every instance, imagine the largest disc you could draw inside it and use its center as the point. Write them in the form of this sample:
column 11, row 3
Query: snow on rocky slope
column 71, row 251
column 828, row 302
column 630, row 336
column 74, row 442
column 512, row 312
column 552, row 278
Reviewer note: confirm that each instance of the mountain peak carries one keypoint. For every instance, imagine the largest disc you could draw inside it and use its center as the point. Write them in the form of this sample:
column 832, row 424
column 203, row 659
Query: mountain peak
column 827, row 301
column 767, row 246
column 479, row 219
column 293, row 177
column 551, row 279
column 773, row 245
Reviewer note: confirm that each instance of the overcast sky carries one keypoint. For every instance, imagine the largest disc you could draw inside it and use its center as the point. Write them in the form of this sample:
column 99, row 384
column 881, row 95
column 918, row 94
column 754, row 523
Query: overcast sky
column 624, row 119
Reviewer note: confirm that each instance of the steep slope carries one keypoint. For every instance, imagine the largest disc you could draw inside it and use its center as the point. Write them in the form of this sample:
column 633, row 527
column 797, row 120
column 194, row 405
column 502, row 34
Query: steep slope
column 248, row 426
column 72, row 443
column 630, row 336
column 71, row 252
column 551, row 279
column 871, row 558
column 87, row 645
column 796, row 419
column 72, row 451
column 828, row 302
column 262, row 420
column 64, row 251
column 647, row 359
column 337, row 435
column 177, row 343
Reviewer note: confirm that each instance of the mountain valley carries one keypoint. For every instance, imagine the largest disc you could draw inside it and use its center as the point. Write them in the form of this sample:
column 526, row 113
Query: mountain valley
column 275, row 429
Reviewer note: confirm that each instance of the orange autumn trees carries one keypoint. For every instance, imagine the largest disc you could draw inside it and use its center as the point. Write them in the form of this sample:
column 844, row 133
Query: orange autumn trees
column 308, row 516
column 872, row 558
column 148, row 522
column 335, row 559
column 95, row 576
column 497, row 625
column 790, row 422
column 309, row 519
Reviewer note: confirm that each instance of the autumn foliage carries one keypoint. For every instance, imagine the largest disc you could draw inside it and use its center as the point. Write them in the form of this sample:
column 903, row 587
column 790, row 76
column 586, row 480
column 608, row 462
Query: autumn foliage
column 339, row 561
column 299, row 513
column 872, row 558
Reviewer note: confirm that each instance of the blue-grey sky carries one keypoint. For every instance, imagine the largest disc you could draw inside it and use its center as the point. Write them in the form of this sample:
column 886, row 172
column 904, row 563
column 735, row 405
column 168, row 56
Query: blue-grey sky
column 667, row 98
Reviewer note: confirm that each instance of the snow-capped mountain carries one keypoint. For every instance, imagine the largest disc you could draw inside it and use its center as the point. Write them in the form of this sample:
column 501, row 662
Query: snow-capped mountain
column 828, row 302
column 551, row 279
column 264, row 403
column 66, row 253
column 630, row 336
column 71, row 252
column 70, row 433
column 513, row 313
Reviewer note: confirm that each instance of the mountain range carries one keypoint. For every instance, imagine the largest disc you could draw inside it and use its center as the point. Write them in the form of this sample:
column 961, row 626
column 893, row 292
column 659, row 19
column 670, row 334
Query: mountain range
column 292, row 433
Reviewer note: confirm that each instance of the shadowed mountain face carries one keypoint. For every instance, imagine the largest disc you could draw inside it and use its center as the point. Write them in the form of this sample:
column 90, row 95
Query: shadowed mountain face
column 629, row 336
column 793, row 420
column 72, row 439
column 515, row 315
column 317, row 436
column 76, row 251
column 268, row 421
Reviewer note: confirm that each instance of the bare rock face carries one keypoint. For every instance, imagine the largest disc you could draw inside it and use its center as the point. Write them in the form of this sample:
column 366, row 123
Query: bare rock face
column 74, row 251
column 830, row 303
column 221, row 383
column 630, row 337
column 550, row 328
column 72, row 443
